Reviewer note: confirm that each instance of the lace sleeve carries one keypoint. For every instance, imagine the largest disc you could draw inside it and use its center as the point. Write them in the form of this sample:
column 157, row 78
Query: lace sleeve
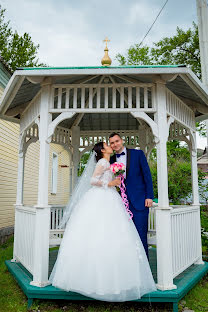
column 97, row 177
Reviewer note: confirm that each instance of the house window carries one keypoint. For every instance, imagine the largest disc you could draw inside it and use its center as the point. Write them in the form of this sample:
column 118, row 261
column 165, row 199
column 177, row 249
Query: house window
column 54, row 173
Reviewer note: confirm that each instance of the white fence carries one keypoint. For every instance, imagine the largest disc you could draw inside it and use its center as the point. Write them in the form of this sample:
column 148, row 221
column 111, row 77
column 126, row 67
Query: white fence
column 56, row 216
column 24, row 236
column 179, row 110
column 151, row 234
column 102, row 97
column 57, row 213
column 185, row 233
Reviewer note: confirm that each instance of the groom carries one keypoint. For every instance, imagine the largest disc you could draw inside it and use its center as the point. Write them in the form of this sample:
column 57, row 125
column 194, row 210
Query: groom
column 138, row 182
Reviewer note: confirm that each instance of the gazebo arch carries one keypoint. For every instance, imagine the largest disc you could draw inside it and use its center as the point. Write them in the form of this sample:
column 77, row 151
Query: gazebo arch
column 148, row 105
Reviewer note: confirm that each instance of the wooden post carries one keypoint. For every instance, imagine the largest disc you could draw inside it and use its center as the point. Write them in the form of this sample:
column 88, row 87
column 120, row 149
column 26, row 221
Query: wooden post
column 42, row 224
column 194, row 177
column 20, row 187
column 20, row 176
column 202, row 12
column 163, row 212
column 76, row 152
column 195, row 193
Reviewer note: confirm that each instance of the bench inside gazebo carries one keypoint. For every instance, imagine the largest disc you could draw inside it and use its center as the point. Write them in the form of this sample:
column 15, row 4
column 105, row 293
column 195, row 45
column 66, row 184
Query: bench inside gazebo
column 78, row 106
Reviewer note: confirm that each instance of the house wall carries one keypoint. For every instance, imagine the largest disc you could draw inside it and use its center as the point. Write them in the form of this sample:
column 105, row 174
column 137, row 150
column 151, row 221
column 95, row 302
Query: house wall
column 8, row 176
column 9, row 139
column 31, row 175
column 4, row 77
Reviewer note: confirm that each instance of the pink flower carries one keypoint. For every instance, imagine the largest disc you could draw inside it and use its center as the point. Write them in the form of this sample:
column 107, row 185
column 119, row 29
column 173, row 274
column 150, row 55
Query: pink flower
column 117, row 168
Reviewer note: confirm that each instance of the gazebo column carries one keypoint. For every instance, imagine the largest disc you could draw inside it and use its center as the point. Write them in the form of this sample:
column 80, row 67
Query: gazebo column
column 194, row 173
column 76, row 152
column 195, row 193
column 42, row 223
column 163, row 212
column 20, row 187
column 20, row 178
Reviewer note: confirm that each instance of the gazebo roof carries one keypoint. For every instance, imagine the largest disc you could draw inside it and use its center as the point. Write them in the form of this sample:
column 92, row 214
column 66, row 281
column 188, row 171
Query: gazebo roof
column 26, row 82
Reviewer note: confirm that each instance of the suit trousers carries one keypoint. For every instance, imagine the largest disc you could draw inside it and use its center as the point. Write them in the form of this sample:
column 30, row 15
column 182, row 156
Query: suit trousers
column 140, row 219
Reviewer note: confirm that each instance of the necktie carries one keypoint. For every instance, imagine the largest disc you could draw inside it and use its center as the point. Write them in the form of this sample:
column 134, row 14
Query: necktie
column 118, row 155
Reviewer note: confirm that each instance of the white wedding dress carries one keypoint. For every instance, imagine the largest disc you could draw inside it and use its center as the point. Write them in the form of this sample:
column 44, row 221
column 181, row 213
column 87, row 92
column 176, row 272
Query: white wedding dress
column 101, row 255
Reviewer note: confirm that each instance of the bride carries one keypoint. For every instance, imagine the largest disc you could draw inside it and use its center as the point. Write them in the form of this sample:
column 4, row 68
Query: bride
column 101, row 254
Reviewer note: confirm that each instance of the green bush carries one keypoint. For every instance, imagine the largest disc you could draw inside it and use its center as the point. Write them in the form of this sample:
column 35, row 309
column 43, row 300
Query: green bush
column 204, row 228
column 179, row 173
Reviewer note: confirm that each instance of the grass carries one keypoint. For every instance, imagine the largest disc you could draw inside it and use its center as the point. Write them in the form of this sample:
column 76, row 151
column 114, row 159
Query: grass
column 13, row 299
column 204, row 225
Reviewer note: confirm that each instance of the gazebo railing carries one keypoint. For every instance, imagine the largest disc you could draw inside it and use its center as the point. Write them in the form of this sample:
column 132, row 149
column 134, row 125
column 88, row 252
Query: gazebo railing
column 185, row 229
column 185, row 233
column 102, row 97
column 24, row 236
column 179, row 110
column 151, row 234
column 57, row 234
column 89, row 138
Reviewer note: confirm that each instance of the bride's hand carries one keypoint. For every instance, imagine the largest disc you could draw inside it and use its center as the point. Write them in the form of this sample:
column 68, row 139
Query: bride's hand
column 115, row 182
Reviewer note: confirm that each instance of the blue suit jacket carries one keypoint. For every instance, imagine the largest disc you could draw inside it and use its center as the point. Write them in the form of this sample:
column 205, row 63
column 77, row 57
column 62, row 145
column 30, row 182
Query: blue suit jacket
column 138, row 178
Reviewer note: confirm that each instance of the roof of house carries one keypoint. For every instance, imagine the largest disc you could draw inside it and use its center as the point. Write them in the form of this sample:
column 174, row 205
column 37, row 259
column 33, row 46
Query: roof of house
column 5, row 73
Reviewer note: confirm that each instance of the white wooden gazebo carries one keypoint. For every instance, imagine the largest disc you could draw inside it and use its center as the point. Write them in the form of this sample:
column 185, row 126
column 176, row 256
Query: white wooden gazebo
column 76, row 107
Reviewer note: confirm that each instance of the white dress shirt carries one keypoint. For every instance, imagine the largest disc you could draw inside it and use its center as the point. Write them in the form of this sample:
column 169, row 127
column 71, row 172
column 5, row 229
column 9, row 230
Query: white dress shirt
column 122, row 159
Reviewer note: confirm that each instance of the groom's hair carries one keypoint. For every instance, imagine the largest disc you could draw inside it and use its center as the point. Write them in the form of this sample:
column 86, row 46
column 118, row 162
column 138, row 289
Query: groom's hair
column 113, row 134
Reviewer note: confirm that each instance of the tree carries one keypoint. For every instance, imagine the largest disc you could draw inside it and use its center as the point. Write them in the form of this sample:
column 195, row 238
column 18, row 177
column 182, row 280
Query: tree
column 16, row 50
column 182, row 48
column 179, row 173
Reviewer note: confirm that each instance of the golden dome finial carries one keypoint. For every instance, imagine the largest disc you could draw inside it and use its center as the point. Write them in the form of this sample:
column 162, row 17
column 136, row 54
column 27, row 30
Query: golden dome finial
column 106, row 60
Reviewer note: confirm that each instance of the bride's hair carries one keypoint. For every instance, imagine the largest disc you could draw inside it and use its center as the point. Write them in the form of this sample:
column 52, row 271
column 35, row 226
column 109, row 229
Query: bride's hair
column 98, row 153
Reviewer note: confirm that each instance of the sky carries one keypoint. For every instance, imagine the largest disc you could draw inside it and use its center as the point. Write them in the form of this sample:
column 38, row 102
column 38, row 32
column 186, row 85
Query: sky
column 71, row 33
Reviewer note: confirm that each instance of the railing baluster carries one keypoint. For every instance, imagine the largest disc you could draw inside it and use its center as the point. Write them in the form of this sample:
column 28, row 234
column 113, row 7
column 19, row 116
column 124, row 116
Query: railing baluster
column 153, row 96
column 83, row 98
column 145, row 98
column 90, row 96
column 75, row 98
column 67, row 98
column 129, row 97
column 52, row 97
column 98, row 97
column 137, row 97
column 114, row 97
column 59, row 97
column 106, row 98
column 122, row 97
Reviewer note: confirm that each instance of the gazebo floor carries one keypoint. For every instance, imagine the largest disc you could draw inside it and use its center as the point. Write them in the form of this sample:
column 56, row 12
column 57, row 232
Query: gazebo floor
column 185, row 281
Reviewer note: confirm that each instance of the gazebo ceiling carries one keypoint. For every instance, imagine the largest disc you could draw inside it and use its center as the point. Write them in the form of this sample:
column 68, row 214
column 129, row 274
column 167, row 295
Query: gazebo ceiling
column 25, row 84
column 103, row 121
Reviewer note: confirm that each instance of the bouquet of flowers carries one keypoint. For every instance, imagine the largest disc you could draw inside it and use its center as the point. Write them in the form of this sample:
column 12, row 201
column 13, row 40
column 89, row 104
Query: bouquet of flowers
column 118, row 170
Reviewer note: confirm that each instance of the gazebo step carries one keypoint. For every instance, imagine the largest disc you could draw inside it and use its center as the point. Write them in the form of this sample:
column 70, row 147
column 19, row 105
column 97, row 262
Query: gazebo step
column 184, row 282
